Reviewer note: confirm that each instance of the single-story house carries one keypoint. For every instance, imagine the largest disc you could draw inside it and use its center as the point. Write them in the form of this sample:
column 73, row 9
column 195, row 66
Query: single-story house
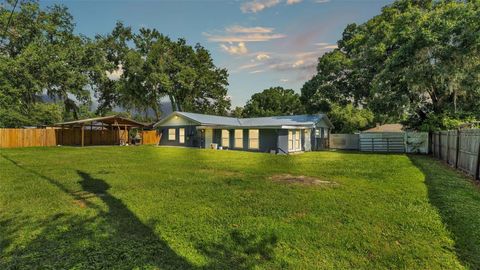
column 279, row 134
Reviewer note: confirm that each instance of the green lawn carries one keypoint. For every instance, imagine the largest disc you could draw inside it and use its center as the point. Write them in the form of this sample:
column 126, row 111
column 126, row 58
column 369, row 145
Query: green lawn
column 176, row 208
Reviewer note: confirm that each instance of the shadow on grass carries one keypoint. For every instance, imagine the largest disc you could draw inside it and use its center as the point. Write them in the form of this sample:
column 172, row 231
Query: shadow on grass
column 112, row 238
column 458, row 203
column 239, row 251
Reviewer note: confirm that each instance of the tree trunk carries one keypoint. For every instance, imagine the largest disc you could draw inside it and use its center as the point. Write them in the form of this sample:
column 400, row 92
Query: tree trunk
column 172, row 103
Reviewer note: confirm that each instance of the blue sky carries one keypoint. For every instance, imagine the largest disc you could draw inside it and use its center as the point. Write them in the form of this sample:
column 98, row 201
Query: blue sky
column 262, row 43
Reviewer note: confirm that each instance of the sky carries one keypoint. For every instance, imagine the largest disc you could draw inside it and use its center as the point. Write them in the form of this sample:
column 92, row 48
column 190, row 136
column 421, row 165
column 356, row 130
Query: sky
column 262, row 43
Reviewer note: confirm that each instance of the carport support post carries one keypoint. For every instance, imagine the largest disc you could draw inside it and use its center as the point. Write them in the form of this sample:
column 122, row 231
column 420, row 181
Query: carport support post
column 82, row 127
column 126, row 134
column 91, row 133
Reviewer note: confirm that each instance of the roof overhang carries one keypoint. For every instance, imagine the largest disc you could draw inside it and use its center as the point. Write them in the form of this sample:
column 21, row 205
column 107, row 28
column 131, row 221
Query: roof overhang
column 252, row 127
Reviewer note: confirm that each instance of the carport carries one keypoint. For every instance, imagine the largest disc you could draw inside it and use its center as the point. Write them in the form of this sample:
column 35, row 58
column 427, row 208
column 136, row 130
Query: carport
column 108, row 130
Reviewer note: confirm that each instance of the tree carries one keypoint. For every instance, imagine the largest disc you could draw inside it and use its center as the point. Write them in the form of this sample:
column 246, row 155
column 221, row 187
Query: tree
column 156, row 67
column 39, row 114
column 237, row 112
column 349, row 119
column 414, row 60
column 273, row 101
column 42, row 57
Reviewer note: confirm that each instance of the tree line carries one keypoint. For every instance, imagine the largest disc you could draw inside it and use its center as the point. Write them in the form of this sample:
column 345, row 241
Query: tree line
column 417, row 63
column 48, row 73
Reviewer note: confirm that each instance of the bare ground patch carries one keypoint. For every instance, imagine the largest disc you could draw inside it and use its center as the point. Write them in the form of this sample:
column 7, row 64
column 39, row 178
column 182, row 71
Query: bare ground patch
column 302, row 179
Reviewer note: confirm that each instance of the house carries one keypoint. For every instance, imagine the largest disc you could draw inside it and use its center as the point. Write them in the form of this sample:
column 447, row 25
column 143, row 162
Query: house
column 279, row 134
column 386, row 128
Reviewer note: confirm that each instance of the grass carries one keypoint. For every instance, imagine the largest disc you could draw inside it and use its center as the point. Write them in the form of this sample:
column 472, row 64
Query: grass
column 176, row 208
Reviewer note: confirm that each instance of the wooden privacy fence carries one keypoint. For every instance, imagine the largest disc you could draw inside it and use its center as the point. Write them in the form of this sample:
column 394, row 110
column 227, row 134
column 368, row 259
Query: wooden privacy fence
column 458, row 148
column 17, row 137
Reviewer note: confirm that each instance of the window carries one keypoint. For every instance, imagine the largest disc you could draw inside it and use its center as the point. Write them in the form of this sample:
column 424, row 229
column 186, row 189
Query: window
column 253, row 139
column 290, row 140
column 297, row 140
column 181, row 135
column 225, row 138
column 171, row 134
column 238, row 138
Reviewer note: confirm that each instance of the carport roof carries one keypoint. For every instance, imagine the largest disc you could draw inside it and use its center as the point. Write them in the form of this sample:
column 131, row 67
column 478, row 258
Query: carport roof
column 109, row 120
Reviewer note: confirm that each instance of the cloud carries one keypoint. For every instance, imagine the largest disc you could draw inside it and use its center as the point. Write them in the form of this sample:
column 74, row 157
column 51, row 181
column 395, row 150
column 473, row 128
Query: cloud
column 244, row 37
column 242, row 29
column 327, row 46
column 322, row 1
column 291, row 2
column 238, row 33
column 248, row 66
column 284, row 80
column 257, row 71
column 258, row 5
column 262, row 56
column 298, row 63
column 239, row 49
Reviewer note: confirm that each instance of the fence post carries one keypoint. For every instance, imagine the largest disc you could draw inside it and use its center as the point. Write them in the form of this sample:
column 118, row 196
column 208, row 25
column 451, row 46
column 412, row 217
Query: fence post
column 457, row 150
column 430, row 143
column 477, row 172
column 440, row 145
column 448, row 147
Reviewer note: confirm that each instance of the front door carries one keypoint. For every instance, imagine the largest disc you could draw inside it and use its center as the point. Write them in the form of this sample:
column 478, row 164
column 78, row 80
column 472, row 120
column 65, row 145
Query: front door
column 208, row 137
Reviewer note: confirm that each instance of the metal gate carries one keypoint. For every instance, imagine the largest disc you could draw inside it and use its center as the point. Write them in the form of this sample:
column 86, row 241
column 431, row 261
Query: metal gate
column 388, row 142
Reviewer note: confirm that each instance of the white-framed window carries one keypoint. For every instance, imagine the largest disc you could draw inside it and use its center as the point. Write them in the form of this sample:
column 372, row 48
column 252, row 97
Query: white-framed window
column 238, row 136
column 225, row 138
column 181, row 135
column 253, row 139
column 290, row 140
column 297, row 140
column 172, row 134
